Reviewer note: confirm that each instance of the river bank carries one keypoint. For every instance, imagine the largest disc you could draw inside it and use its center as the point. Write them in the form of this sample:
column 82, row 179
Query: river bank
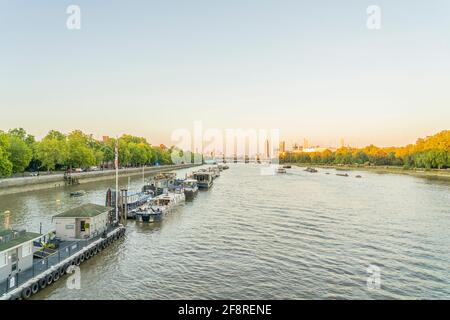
column 433, row 173
column 18, row 185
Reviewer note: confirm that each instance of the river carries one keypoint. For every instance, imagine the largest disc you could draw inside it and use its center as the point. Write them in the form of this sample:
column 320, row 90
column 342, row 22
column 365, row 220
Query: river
column 297, row 235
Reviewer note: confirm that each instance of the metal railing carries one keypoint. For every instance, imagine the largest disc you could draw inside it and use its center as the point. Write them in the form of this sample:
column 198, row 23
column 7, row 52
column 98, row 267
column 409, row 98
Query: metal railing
column 64, row 251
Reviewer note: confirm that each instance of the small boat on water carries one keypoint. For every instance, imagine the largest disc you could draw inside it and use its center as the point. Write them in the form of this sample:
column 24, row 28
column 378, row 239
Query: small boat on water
column 78, row 193
column 225, row 166
column 281, row 170
column 287, row 166
column 204, row 179
column 358, row 176
column 342, row 174
column 311, row 170
column 190, row 188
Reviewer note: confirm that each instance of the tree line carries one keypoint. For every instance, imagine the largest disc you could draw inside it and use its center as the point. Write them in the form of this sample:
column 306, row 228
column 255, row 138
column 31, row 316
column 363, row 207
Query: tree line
column 20, row 151
column 432, row 152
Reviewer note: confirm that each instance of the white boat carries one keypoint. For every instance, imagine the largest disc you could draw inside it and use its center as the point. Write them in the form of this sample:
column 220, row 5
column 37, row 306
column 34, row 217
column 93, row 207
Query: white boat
column 160, row 206
column 204, row 179
column 215, row 171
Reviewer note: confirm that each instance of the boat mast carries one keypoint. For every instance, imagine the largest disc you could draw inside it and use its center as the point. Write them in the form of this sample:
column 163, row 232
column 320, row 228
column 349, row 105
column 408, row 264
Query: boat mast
column 116, row 164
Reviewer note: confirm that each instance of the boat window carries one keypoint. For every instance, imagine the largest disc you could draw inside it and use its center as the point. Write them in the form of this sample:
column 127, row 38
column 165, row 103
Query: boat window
column 83, row 225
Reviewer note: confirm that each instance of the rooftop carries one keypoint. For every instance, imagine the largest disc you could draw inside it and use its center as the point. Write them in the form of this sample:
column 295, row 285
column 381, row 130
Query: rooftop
column 85, row 211
column 12, row 238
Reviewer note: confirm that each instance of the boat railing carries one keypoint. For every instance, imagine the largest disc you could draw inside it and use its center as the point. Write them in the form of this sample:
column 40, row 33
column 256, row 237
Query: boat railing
column 41, row 264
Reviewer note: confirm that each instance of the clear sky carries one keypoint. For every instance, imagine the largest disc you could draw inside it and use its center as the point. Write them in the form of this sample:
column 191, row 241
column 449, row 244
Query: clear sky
column 309, row 68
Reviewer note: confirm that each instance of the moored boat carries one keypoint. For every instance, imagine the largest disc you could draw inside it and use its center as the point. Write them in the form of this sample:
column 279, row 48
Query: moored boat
column 159, row 206
column 190, row 188
column 204, row 179
column 311, row 170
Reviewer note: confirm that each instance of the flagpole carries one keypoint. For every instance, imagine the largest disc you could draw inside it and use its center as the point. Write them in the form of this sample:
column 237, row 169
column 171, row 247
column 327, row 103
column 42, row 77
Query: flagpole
column 116, row 164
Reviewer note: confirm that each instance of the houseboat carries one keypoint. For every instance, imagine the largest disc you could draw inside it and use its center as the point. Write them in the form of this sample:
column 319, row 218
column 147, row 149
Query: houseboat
column 159, row 206
column 161, row 183
column 29, row 262
column 16, row 256
column 190, row 188
column 215, row 171
column 204, row 179
column 134, row 200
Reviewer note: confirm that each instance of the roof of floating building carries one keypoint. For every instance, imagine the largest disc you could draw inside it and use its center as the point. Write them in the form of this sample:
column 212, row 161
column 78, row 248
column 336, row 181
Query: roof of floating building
column 12, row 238
column 85, row 211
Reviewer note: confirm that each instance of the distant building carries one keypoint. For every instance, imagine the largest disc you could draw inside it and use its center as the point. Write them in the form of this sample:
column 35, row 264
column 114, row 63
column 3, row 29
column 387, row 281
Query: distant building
column 105, row 139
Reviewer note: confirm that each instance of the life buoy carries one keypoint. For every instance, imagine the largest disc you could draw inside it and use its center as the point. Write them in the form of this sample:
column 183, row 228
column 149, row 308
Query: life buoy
column 35, row 288
column 56, row 275
column 49, row 279
column 62, row 270
column 26, row 293
column 42, row 283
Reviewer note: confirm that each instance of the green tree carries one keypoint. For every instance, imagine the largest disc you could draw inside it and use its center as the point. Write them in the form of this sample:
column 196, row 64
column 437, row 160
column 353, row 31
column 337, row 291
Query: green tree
column 80, row 155
column 20, row 153
column 51, row 152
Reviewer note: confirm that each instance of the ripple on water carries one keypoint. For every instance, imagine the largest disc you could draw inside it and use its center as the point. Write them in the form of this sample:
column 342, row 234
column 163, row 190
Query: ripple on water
column 294, row 236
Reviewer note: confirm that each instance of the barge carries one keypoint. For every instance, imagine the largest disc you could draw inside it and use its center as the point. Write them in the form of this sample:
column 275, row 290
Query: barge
column 38, row 260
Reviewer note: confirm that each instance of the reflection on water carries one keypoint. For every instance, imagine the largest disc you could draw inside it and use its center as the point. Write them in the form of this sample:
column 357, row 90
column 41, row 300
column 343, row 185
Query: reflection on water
column 297, row 235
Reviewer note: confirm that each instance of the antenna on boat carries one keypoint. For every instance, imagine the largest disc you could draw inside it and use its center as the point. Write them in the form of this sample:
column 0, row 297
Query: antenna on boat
column 116, row 164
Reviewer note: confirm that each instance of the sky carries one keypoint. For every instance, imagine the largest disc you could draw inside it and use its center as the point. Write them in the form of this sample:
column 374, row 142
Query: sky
column 311, row 69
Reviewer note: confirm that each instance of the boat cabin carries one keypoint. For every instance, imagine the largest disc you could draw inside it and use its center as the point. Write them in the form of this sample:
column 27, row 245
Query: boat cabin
column 204, row 179
column 16, row 251
column 190, row 183
column 82, row 222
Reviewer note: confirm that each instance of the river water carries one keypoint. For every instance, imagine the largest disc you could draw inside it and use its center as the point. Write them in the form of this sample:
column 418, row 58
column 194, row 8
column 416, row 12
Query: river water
column 252, row 236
